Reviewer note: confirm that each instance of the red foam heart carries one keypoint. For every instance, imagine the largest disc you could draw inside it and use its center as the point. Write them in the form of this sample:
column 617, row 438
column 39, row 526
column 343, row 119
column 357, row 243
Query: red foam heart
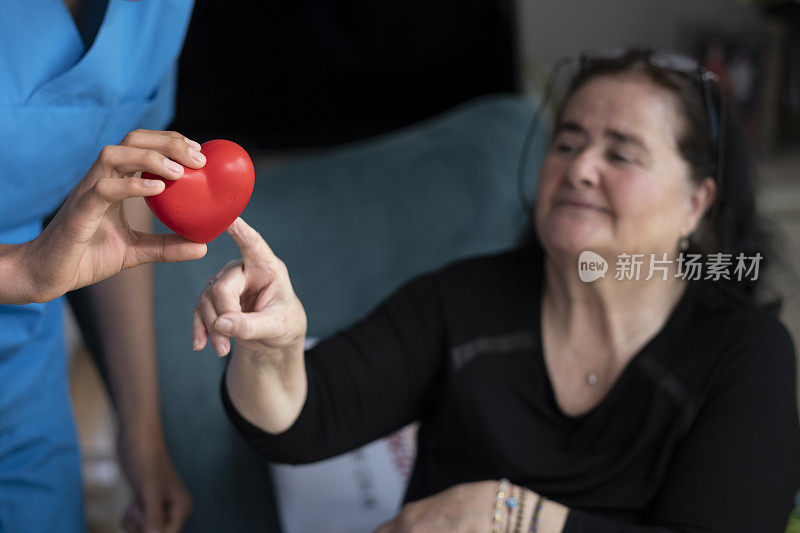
column 205, row 201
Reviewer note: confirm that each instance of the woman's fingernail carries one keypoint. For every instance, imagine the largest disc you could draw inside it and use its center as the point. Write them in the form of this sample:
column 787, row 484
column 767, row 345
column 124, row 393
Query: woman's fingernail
column 153, row 183
column 225, row 325
column 222, row 348
column 196, row 346
column 173, row 166
column 192, row 143
column 197, row 156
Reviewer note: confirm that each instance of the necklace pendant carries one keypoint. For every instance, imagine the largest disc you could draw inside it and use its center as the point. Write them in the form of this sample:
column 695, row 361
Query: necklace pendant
column 591, row 379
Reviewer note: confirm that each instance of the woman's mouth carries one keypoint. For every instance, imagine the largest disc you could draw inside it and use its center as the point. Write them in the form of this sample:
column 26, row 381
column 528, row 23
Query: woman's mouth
column 578, row 204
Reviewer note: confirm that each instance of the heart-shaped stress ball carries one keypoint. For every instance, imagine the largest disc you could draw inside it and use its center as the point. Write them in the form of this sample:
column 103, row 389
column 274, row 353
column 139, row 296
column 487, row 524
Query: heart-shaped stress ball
column 204, row 202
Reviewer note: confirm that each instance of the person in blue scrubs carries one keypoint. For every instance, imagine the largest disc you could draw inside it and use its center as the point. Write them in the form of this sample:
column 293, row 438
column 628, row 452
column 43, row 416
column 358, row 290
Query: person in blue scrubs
column 76, row 76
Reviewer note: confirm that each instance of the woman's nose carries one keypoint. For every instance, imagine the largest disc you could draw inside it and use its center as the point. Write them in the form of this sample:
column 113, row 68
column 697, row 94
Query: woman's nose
column 584, row 170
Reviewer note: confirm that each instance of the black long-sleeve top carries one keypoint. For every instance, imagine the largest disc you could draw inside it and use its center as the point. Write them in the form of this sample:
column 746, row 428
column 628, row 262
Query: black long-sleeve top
column 698, row 434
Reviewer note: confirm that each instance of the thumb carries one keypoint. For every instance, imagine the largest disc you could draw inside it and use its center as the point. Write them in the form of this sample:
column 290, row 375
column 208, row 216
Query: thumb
column 251, row 326
column 170, row 248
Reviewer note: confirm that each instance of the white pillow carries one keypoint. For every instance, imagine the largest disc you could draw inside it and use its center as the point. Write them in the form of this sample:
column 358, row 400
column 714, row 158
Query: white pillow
column 350, row 493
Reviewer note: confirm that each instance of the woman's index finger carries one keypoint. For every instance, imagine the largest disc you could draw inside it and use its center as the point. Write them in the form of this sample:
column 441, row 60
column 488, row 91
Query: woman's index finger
column 249, row 241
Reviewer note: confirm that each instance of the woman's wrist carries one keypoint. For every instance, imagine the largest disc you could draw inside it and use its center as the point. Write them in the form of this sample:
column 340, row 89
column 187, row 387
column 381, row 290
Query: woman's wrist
column 529, row 511
column 546, row 516
column 517, row 520
column 268, row 389
column 553, row 517
column 512, row 508
column 283, row 361
column 153, row 441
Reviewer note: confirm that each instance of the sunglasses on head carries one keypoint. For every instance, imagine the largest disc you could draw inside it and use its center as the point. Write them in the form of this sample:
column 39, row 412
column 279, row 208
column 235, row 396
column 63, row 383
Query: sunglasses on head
column 670, row 61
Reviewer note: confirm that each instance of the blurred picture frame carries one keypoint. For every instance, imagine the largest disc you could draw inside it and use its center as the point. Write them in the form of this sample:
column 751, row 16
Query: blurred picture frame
column 748, row 60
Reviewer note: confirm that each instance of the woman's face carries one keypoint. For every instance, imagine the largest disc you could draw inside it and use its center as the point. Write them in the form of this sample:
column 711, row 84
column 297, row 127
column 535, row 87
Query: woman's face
column 614, row 181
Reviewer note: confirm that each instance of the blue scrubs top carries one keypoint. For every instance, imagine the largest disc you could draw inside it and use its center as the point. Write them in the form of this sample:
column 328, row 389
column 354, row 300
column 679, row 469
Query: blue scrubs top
column 59, row 105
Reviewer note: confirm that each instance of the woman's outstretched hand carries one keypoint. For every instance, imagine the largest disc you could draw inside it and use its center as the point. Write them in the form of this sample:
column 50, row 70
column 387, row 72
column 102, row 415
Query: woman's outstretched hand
column 250, row 300
column 89, row 239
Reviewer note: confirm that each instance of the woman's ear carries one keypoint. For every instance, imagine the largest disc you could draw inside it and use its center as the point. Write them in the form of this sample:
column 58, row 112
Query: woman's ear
column 700, row 199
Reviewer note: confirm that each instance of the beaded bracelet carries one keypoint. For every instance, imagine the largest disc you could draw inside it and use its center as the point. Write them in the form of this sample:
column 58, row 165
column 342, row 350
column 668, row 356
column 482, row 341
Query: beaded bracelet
column 497, row 515
column 536, row 511
column 518, row 525
column 512, row 503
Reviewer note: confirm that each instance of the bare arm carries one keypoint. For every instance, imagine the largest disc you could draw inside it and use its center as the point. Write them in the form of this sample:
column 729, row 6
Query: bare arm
column 125, row 316
column 124, row 312
column 268, row 389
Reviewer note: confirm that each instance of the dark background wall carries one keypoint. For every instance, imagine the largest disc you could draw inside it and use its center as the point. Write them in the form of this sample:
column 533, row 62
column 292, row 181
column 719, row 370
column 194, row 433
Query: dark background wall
column 316, row 72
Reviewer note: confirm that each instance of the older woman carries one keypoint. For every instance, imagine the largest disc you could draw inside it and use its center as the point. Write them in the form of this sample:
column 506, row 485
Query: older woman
column 631, row 403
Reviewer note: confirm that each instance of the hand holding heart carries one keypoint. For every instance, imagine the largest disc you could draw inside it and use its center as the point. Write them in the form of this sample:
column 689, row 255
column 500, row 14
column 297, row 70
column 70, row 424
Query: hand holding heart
column 89, row 239
column 251, row 300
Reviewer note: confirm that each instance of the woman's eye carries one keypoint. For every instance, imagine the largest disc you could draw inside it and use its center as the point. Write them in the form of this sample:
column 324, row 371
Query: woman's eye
column 620, row 158
column 565, row 148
